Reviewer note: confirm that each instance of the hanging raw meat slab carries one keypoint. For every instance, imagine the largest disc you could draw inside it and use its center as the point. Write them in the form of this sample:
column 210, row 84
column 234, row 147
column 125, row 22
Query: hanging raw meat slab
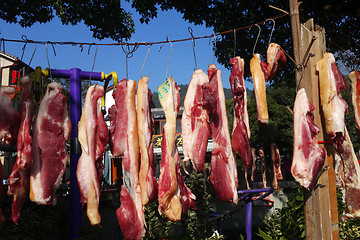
column 223, row 166
column 355, row 97
column 348, row 178
column 125, row 143
column 174, row 197
column 331, row 82
column 261, row 72
column 148, row 183
column 19, row 177
column 195, row 129
column 308, row 156
column 275, row 157
column 241, row 130
column 10, row 117
column 52, row 129
column 93, row 137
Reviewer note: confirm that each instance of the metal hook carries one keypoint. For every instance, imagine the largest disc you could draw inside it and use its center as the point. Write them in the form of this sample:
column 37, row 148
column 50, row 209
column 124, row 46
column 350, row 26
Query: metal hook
column 272, row 30
column 257, row 38
column 126, row 50
column 214, row 35
column 147, row 54
column 24, row 38
column 193, row 44
column 167, row 68
column 47, row 56
column 234, row 42
column 32, row 56
column 92, row 69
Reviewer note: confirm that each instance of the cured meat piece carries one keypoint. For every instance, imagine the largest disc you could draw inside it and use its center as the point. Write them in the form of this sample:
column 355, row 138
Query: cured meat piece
column 19, row 177
column 261, row 72
column 355, row 97
column 348, row 178
column 275, row 58
column 148, row 183
column 263, row 166
column 258, row 74
column 253, row 165
column 195, row 129
column 331, row 82
column 10, row 117
column 19, row 188
column 174, row 197
column 126, row 128
column 223, row 166
column 308, row 155
column 93, row 137
column 275, row 157
column 52, row 129
column 241, row 130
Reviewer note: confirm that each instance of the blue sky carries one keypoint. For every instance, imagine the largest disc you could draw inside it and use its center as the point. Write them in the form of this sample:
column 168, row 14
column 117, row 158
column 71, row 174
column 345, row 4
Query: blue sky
column 111, row 58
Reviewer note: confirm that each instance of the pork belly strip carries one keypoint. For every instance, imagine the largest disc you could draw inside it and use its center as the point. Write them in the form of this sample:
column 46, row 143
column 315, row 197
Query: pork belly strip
column 51, row 132
column 173, row 195
column 93, row 137
column 148, row 183
column 195, row 129
column 331, row 82
column 308, row 155
column 10, row 117
column 355, row 97
column 223, row 166
column 19, row 177
column 125, row 132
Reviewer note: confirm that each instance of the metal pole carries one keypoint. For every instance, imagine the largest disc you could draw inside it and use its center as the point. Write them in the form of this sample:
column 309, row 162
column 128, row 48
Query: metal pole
column 75, row 113
column 248, row 220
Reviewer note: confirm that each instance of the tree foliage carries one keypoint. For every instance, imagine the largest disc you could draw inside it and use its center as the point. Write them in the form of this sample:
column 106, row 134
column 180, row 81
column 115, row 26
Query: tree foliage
column 106, row 19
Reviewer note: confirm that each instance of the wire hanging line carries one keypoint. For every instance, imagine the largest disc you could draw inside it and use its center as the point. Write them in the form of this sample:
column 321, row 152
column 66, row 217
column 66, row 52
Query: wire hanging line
column 92, row 69
column 167, row 68
column 193, row 44
column 214, row 46
column 3, row 40
column 257, row 38
column 272, row 30
column 47, row 57
column 147, row 54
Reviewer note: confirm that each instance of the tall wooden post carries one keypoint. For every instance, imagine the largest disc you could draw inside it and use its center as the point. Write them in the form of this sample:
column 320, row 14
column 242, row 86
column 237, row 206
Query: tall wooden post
column 321, row 219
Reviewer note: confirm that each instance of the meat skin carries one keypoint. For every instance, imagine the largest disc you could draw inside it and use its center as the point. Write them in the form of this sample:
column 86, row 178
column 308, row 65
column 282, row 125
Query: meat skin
column 148, row 183
column 173, row 195
column 308, row 155
column 223, row 166
column 331, row 82
column 10, row 117
column 93, row 137
column 52, row 129
column 195, row 129
column 355, row 97
column 19, row 177
column 125, row 132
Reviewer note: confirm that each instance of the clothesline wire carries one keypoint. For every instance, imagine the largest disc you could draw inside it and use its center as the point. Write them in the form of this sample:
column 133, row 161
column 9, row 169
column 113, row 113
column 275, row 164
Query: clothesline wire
column 3, row 40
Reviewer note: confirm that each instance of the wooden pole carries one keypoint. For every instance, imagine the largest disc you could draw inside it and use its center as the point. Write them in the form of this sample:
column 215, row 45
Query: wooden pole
column 321, row 219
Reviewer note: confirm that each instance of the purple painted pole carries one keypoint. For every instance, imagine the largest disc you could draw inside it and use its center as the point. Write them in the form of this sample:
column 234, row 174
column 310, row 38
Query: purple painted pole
column 248, row 220
column 75, row 114
column 75, row 75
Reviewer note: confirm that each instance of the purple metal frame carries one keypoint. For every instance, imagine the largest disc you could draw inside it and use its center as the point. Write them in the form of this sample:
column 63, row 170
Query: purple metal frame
column 247, row 197
column 75, row 75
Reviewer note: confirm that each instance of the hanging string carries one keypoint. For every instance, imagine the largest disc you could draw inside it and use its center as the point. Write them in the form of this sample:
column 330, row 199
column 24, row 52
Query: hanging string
column 146, row 43
column 257, row 38
column 234, row 42
column 147, row 54
column 167, row 68
column 193, row 44
column 272, row 30
column 214, row 47
column 92, row 69
column 47, row 58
